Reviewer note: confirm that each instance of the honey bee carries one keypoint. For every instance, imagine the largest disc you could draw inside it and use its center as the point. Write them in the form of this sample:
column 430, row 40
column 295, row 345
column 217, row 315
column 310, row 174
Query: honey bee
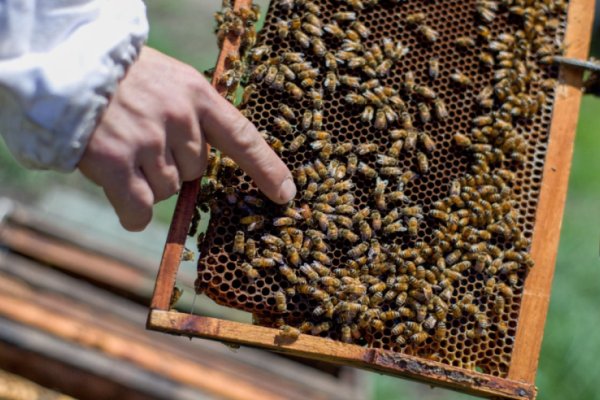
column 294, row 90
column 334, row 30
column 288, row 274
column 486, row 59
column 288, row 333
column 346, row 334
column 302, row 38
column 366, row 171
column 439, row 109
column 462, row 140
column 428, row 33
column 415, row 18
column 249, row 271
column 413, row 226
column 391, row 171
column 425, row 92
column 262, row 262
column 344, row 16
column 254, row 222
column 461, row 79
column 283, row 28
column 434, row 67
column 424, row 112
column 238, row 242
column 321, row 257
column 419, row 338
column 464, row 42
column 280, row 301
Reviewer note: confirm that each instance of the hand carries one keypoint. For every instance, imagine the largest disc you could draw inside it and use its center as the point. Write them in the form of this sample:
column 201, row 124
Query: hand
column 155, row 133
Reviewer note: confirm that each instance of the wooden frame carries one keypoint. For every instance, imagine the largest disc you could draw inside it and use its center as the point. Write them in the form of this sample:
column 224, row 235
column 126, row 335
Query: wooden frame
column 520, row 383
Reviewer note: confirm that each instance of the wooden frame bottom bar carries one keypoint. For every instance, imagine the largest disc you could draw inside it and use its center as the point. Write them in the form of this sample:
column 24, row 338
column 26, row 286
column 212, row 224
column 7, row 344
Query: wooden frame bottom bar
column 308, row 346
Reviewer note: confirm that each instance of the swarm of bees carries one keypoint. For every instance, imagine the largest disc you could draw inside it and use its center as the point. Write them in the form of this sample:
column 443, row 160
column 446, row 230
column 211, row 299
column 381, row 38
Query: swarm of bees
column 403, row 261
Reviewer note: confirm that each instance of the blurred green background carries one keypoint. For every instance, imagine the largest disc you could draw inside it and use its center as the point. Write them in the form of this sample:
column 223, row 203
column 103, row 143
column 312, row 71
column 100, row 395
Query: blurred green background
column 568, row 366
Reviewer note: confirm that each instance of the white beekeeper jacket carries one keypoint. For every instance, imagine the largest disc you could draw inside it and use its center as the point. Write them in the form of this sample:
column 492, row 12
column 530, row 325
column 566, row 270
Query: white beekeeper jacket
column 60, row 60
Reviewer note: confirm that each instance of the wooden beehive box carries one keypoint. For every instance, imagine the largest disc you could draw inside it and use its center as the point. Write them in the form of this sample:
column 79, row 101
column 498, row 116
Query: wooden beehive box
column 504, row 366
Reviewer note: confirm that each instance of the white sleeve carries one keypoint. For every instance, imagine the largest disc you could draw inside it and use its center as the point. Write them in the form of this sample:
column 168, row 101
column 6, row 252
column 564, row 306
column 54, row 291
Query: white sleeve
column 60, row 60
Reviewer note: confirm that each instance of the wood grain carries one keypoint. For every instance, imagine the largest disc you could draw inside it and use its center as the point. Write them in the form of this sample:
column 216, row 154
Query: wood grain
column 336, row 352
column 162, row 362
column 186, row 202
column 546, row 233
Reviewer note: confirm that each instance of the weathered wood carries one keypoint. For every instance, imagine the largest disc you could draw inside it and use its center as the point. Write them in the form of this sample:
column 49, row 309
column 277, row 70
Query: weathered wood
column 186, row 202
column 553, row 194
column 336, row 352
column 74, row 260
column 162, row 362
column 92, row 306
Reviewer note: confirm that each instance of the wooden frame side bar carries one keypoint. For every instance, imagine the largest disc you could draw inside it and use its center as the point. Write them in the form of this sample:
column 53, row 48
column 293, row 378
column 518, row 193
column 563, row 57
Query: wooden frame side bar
column 553, row 194
column 186, row 202
column 317, row 348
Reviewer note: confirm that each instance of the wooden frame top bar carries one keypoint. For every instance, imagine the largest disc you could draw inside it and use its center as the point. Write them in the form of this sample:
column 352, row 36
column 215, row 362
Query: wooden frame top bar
column 520, row 383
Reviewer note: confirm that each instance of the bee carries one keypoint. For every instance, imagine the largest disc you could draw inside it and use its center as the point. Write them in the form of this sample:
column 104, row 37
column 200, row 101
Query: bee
column 344, row 16
column 280, row 301
column 440, row 331
column 321, row 257
column 424, row 112
column 249, row 271
column 318, row 47
column 439, row 109
column 391, row 171
column 358, row 250
column 409, row 82
column 461, row 79
column 262, row 262
column 462, row 140
column 288, row 333
column 366, row 171
column 365, row 230
column 288, row 274
column 486, row 59
column 418, row 338
column 383, row 69
column 415, row 18
column 464, row 42
column 254, row 222
column 502, row 327
column 293, row 90
column 422, row 162
column 346, row 334
column 434, row 68
column 334, row 30
column 238, row 242
column 428, row 33
column 316, row 97
column 505, row 290
column 425, row 92
column 302, row 38
column 413, row 226
column 283, row 28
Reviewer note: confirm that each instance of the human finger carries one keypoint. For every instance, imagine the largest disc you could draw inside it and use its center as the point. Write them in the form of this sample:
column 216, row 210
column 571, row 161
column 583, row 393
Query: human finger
column 188, row 148
column 161, row 173
column 132, row 198
column 227, row 129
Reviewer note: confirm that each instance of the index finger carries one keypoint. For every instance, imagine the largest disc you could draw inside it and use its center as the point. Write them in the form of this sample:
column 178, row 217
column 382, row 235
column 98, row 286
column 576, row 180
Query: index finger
column 229, row 131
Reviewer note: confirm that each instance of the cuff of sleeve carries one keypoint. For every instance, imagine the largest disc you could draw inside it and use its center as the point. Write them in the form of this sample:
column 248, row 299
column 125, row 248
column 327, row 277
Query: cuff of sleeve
column 69, row 86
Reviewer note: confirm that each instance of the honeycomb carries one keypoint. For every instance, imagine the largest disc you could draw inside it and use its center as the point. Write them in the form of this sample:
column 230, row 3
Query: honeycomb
column 458, row 254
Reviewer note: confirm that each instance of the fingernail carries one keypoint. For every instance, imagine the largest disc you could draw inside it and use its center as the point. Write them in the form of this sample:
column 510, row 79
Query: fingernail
column 287, row 191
